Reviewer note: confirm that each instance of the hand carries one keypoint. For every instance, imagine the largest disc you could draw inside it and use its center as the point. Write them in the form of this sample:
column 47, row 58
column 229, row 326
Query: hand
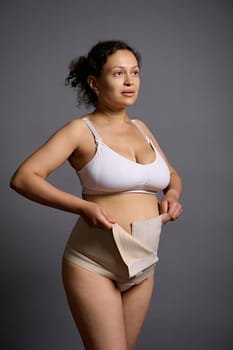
column 96, row 216
column 171, row 206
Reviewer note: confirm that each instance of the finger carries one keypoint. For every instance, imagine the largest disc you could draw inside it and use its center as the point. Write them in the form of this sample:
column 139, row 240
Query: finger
column 175, row 215
column 174, row 209
column 178, row 213
column 164, row 206
column 100, row 222
column 108, row 217
column 105, row 224
column 165, row 219
column 171, row 213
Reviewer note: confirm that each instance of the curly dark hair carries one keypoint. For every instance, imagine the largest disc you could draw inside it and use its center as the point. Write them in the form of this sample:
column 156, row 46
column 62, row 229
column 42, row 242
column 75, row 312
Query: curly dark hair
column 80, row 68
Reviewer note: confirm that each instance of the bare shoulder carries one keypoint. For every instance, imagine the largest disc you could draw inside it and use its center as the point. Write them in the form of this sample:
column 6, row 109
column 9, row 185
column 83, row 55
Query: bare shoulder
column 72, row 133
column 145, row 128
column 74, row 127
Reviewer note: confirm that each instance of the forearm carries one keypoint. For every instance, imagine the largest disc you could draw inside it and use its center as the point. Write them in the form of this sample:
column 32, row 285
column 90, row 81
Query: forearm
column 36, row 188
column 175, row 185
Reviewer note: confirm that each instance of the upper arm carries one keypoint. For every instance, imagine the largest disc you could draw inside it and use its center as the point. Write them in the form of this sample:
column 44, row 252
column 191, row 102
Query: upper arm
column 55, row 151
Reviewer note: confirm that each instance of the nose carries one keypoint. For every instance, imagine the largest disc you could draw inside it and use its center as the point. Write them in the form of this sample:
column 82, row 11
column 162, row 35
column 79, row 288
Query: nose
column 128, row 79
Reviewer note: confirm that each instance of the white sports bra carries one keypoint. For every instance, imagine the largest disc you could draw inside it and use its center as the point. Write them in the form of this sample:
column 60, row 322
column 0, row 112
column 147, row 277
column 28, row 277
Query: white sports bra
column 109, row 172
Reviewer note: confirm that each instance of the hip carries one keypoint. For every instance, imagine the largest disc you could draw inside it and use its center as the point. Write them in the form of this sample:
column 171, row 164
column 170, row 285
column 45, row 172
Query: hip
column 124, row 253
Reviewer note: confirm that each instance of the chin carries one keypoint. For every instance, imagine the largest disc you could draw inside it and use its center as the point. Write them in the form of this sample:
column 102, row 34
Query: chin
column 123, row 103
column 126, row 104
column 130, row 102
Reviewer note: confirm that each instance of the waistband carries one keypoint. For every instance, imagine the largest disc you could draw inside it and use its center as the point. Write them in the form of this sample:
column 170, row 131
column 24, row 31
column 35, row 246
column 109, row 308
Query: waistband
column 124, row 254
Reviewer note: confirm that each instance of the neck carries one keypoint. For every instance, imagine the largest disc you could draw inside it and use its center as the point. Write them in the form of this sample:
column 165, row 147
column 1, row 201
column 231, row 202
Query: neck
column 113, row 116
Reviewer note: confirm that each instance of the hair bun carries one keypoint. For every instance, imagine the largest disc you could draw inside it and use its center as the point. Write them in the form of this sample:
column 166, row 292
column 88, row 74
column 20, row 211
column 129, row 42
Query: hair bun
column 79, row 71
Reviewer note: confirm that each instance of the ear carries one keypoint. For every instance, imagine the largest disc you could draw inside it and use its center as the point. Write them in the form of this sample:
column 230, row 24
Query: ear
column 91, row 80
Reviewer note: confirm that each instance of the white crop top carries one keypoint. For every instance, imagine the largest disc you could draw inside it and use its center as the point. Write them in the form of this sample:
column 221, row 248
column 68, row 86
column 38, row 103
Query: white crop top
column 109, row 172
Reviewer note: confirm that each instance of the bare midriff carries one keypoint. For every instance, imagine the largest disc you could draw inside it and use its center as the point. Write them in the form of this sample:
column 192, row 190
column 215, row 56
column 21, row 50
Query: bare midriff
column 127, row 207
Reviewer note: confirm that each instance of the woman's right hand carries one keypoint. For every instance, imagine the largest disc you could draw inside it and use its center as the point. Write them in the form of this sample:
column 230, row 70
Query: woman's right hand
column 96, row 216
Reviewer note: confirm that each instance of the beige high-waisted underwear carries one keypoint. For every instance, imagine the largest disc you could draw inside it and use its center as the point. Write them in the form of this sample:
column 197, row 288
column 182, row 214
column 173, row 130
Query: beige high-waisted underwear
column 126, row 258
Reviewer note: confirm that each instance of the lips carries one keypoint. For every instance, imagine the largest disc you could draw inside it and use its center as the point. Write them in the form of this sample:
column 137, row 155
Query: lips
column 128, row 92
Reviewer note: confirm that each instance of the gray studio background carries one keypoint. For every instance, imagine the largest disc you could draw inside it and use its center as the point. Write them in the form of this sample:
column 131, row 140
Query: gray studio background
column 186, row 99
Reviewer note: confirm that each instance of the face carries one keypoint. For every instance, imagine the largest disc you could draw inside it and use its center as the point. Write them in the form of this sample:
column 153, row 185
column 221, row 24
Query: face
column 118, row 84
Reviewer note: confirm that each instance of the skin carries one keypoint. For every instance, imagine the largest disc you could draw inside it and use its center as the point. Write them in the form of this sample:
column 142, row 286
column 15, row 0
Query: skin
column 96, row 304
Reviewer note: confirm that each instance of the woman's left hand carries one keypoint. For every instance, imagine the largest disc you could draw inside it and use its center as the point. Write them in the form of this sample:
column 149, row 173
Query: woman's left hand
column 171, row 206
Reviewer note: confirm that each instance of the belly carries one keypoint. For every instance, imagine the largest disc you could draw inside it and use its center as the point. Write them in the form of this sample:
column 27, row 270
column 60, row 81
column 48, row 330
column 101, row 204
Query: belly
column 127, row 207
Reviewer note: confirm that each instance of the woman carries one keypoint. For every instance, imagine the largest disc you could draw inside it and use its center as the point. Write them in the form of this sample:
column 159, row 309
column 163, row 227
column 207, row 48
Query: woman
column 110, row 257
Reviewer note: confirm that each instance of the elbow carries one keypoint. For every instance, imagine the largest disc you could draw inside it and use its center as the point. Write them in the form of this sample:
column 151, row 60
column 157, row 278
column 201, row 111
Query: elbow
column 16, row 182
column 23, row 180
column 20, row 180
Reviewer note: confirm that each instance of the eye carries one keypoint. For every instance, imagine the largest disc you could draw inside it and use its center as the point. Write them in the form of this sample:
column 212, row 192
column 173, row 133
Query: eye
column 118, row 73
column 135, row 72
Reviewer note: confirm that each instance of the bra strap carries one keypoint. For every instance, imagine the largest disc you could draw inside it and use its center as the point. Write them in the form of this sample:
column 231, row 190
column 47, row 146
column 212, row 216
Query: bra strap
column 142, row 131
column 93, row 129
